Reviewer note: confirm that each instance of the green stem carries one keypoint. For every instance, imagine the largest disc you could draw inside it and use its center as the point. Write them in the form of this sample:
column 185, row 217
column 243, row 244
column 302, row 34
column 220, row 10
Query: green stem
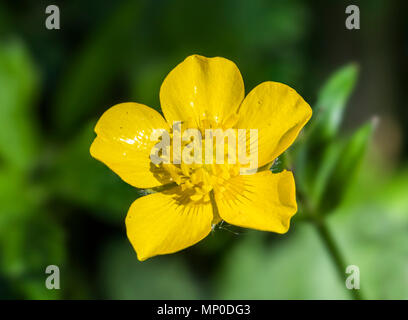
column 335, row 253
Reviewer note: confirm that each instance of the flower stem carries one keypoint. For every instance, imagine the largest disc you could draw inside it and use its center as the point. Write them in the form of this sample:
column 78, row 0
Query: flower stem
column 335, row 253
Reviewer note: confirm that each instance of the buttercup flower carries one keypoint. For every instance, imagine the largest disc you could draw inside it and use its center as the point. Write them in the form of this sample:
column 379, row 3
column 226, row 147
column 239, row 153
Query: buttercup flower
column 202, row 93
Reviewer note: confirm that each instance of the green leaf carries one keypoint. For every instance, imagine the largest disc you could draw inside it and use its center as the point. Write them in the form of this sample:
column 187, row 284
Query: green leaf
column 332, row 100
column 316, row 157
column 324, row 176
column 354, row 151
column 345, row 169
column 18, row 90
column 330, row 158
column 96, row 67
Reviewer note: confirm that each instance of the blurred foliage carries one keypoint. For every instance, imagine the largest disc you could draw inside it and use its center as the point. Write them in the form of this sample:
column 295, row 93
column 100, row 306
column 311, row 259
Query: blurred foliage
column 328, row 162
column 331, row 102
column 99, row 190
column 29, row 235
column 371, row 229
column 18, row 90
column 95, row 67
column 297, row 267
column 59, row 206
column 124, row 277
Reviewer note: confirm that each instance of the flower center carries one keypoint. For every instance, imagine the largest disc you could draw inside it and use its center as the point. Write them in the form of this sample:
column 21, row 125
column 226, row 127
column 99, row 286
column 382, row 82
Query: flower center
column 206, row 173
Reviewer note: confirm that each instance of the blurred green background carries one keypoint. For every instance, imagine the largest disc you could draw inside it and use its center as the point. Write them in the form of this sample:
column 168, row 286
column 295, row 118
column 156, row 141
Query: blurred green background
column 59, row 206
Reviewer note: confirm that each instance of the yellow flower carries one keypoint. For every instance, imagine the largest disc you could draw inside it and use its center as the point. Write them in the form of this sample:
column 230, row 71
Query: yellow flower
column 202, row 93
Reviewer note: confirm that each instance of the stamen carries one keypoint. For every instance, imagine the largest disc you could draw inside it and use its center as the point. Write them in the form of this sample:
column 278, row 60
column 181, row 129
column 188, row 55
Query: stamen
column 199, row 179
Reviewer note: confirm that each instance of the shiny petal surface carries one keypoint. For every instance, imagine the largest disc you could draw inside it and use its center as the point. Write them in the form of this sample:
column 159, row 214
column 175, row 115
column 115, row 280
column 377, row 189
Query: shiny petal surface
column 123, row 142
column 262, row 201
column 201, row 87
column 167, row 222
column 279, row 113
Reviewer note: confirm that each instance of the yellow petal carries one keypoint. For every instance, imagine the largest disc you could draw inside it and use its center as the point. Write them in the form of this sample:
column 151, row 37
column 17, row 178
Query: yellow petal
column 202, row 87
column 278, row 112
column 262, row 201
column 166, row 222
column 123, row 143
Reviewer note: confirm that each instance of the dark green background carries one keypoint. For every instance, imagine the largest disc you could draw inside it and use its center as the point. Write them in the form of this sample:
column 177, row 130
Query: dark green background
column 59, row 206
